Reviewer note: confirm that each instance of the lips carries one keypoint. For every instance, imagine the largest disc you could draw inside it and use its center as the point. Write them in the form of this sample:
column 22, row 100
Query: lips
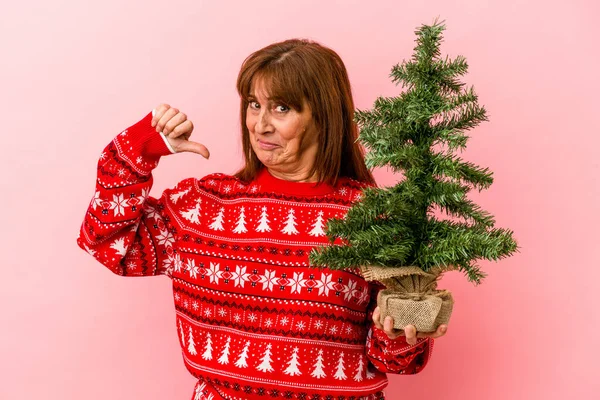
column 266, row 145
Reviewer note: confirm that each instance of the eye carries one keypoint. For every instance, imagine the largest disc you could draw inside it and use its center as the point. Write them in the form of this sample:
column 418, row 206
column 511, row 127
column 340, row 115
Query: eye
column 252, row 104
column 283, row 108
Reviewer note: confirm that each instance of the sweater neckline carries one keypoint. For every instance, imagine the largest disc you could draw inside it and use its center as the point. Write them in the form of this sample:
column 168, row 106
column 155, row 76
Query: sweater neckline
column 278, row 185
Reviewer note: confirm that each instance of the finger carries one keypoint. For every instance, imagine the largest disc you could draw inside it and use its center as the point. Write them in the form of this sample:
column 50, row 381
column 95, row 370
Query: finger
column 158, row 112
column 411, row 334
column 388, row 328
column 441, row 330
column 162, row 122
column 183, row 129
column 193, row 147
column 376, row 316
column 176, row 121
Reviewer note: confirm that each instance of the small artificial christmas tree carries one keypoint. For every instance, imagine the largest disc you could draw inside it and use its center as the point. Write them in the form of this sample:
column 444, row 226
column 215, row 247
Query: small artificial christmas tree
column 392, row 233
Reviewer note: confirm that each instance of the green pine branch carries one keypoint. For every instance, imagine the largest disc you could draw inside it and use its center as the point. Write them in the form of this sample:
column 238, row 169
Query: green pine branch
column 395, row 226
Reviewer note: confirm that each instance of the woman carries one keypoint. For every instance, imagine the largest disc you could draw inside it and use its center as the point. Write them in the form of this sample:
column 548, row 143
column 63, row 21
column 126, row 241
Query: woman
column 253, row 318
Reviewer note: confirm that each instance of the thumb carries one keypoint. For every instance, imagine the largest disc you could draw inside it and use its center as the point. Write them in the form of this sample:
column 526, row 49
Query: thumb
column 193, row 147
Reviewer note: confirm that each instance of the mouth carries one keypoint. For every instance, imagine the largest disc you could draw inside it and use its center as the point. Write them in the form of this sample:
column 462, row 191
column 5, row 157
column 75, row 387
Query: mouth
column 266, row 145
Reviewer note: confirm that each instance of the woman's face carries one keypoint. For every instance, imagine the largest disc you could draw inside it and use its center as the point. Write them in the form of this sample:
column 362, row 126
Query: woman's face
column 283, row 139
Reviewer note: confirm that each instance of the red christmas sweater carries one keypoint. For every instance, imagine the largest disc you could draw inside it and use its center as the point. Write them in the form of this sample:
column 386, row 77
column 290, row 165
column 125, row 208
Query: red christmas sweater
column 254, row 320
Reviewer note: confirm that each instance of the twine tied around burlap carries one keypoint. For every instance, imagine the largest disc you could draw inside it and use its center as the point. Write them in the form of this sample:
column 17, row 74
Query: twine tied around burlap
column 411, row 296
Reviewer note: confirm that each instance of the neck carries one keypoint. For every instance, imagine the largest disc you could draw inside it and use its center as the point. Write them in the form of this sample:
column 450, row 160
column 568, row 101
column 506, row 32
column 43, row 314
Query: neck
column 293, row 176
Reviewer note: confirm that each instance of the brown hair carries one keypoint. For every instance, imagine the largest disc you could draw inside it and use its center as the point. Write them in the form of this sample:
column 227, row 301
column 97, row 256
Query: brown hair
column 298, row 70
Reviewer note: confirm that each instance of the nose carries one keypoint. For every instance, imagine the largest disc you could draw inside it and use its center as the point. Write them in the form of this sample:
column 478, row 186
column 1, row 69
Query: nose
column 263, row 122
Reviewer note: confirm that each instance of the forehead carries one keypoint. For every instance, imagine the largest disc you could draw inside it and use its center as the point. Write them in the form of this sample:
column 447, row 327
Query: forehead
column 268, row 87
column 259, row 89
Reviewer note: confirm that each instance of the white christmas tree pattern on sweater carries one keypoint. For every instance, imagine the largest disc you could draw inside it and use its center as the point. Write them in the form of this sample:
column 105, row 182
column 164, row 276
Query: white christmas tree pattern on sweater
column 263, row 223
column 241, row 224
column 241, row 361
column 217, row 223
column 181, row 333
column 293, row 364
column 265, row 365
column 339, row 372
column 119, row 246
column 359, row 370
column 192, row 344
column 193, row 214
column 224, row 359
column 318, row 226
column 176, row 196
column 318, row 371
column 290, row 225
column 207, row 355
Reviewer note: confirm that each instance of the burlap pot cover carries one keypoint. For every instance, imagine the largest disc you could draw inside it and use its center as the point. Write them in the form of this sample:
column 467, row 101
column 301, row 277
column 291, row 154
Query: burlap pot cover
column 410, row 296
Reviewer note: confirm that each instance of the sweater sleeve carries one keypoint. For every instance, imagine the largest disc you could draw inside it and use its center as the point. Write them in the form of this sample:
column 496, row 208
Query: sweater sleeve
column 123, row 228
column 394, row 356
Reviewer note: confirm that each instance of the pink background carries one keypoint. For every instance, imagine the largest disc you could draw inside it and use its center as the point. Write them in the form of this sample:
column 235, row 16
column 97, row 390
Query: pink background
column 74, row 74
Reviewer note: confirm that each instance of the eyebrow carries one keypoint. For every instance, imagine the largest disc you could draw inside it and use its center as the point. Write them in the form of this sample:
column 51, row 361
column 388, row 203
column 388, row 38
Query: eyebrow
column 251, row 95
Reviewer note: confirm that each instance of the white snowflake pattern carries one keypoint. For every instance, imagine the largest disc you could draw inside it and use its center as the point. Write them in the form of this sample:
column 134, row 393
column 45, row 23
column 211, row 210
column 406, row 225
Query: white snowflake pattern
column 96, row 201
column 319, row 324
column 348, row 330
column 363, row 295
column 192, row 268
column 177, row 297
column 237, row 318
column 213, row 272
column 333, row 330
column 343, row 191
column 349, row 290
column 252, row 317
column 207, row 313
column 103, row 155
column 300, row 325
column 222, row 312
column 254, row 189
column 130, row 265
column 211, row 182
column 268, row 322
column 173, row 262
column 325, row 284
column 284, row 321
column 186, row 303
column 240, row 276
column 118, row 204
column 138, row 160
column 165, row 238
column 297, row 282
column 195, row 305
column 121, row 172
column 268, row 280
column 227, row 189
column 151, row 212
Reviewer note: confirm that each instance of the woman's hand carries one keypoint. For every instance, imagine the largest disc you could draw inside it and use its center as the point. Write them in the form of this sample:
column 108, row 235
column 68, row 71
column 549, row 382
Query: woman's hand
column 410, row 331
column 177, row 129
